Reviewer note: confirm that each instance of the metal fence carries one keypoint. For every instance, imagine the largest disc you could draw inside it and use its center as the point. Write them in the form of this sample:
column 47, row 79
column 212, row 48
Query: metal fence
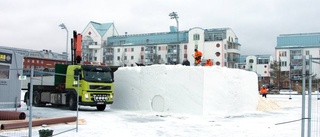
column 314, row 125
column 19, row 116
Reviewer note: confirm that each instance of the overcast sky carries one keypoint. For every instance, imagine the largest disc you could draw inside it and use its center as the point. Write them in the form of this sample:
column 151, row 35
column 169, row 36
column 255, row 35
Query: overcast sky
column 34, row 24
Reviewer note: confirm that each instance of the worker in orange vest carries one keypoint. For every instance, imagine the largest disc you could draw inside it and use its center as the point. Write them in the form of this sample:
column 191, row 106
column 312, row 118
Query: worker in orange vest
column 209, row 62
column 264, row 91
column 197, row 56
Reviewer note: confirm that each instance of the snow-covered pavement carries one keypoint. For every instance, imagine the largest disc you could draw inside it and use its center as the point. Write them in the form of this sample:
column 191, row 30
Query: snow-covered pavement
column 113, row 122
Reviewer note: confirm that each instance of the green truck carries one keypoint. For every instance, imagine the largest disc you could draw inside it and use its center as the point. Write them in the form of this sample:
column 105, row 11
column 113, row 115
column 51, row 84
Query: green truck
column 94, row 88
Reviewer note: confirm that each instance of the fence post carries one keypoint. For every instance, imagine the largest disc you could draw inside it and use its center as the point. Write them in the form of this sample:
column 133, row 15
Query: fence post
column 30, row 101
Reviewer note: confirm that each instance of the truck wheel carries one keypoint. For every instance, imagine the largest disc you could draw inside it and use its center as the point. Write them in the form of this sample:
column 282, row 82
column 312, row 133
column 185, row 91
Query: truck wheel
column 101, row 107
column 37, row 100
column 72, row 102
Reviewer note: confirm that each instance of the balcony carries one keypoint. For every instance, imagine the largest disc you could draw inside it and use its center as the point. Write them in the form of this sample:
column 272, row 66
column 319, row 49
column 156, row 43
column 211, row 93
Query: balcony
column 94, row 46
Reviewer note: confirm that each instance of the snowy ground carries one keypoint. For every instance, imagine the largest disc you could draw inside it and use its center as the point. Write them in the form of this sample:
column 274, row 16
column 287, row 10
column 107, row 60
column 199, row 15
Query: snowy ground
column 191, row 105
column 278, row 109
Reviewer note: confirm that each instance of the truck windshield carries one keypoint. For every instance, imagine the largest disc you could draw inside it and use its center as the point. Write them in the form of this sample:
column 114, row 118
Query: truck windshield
column 97, row 76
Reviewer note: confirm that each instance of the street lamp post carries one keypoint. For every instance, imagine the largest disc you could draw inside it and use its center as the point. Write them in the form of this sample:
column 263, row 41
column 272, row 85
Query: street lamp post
column 174, row 15
column 64, row 27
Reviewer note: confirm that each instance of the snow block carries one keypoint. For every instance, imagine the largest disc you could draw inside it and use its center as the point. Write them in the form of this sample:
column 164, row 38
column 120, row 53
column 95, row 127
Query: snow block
column 195, row 90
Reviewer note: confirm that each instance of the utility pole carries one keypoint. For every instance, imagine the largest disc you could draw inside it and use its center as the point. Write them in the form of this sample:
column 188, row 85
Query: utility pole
column 279, row 73
column 303, row 96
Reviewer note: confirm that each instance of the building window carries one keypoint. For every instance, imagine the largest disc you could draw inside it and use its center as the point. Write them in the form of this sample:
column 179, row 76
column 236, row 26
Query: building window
column 41, row 61
column 32, row 61
column 4, row 71
column 196, row 46
column 159, row 48
column 250, row 60
column 118, row 49
column 217, row 54
column 142, row 48
column 37, row 61
column 218, row 63
column 282, row 53
column 185, row 47
column 142, row 56
column 132, row 49
column 196, row 37
column 263, row 61
column 125, row 49
column 307, row 52
column 132, row 57
column 118, row 58
column 283, row 63
column 122, row 42
column 217, row 45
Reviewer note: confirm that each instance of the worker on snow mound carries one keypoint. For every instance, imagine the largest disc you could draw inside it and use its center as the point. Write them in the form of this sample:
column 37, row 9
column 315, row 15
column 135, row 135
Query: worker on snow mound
column 197, row 56
column 209, row 62
column 264, row 91
column 186, row 62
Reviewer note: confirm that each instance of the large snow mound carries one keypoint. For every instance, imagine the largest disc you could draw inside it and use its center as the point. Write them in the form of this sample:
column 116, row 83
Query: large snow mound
column 186, row 89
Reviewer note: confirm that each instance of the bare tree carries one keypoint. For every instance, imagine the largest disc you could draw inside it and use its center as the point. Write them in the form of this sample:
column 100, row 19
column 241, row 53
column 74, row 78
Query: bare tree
column 278, row 76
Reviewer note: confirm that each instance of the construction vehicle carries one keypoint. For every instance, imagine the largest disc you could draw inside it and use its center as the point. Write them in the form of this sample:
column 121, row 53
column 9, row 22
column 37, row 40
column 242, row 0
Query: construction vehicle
column 94, row 88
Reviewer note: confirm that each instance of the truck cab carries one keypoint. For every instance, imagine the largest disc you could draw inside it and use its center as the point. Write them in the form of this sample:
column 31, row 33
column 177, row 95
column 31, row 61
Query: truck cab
column 91, row 85
column 95, row 85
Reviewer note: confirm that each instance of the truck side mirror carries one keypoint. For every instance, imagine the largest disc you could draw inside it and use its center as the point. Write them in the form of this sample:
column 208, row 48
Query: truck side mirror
column 77, row 73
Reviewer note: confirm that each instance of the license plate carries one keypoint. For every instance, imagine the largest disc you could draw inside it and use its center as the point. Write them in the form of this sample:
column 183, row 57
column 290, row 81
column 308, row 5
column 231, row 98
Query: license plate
column 100, row 103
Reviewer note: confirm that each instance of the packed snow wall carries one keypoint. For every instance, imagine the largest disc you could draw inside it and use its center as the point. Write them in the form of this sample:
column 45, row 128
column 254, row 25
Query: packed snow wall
column 186, row 89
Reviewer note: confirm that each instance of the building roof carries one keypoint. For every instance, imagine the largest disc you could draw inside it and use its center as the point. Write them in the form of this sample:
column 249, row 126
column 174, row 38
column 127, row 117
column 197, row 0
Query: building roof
column 299, row 40
column 164, row 37
column 149, row 38
column 102, row 28
column 267, row 56
column 36, row 53
column 242, row 58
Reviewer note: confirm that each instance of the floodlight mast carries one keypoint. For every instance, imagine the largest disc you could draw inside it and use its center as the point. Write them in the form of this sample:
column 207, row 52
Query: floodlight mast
column 64, row 27
column 174, row 15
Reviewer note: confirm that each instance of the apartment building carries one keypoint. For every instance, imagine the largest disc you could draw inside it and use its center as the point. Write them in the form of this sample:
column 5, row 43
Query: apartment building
column 289, row 52
column 43, row 60
column 102, row 43
column 261, row 64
